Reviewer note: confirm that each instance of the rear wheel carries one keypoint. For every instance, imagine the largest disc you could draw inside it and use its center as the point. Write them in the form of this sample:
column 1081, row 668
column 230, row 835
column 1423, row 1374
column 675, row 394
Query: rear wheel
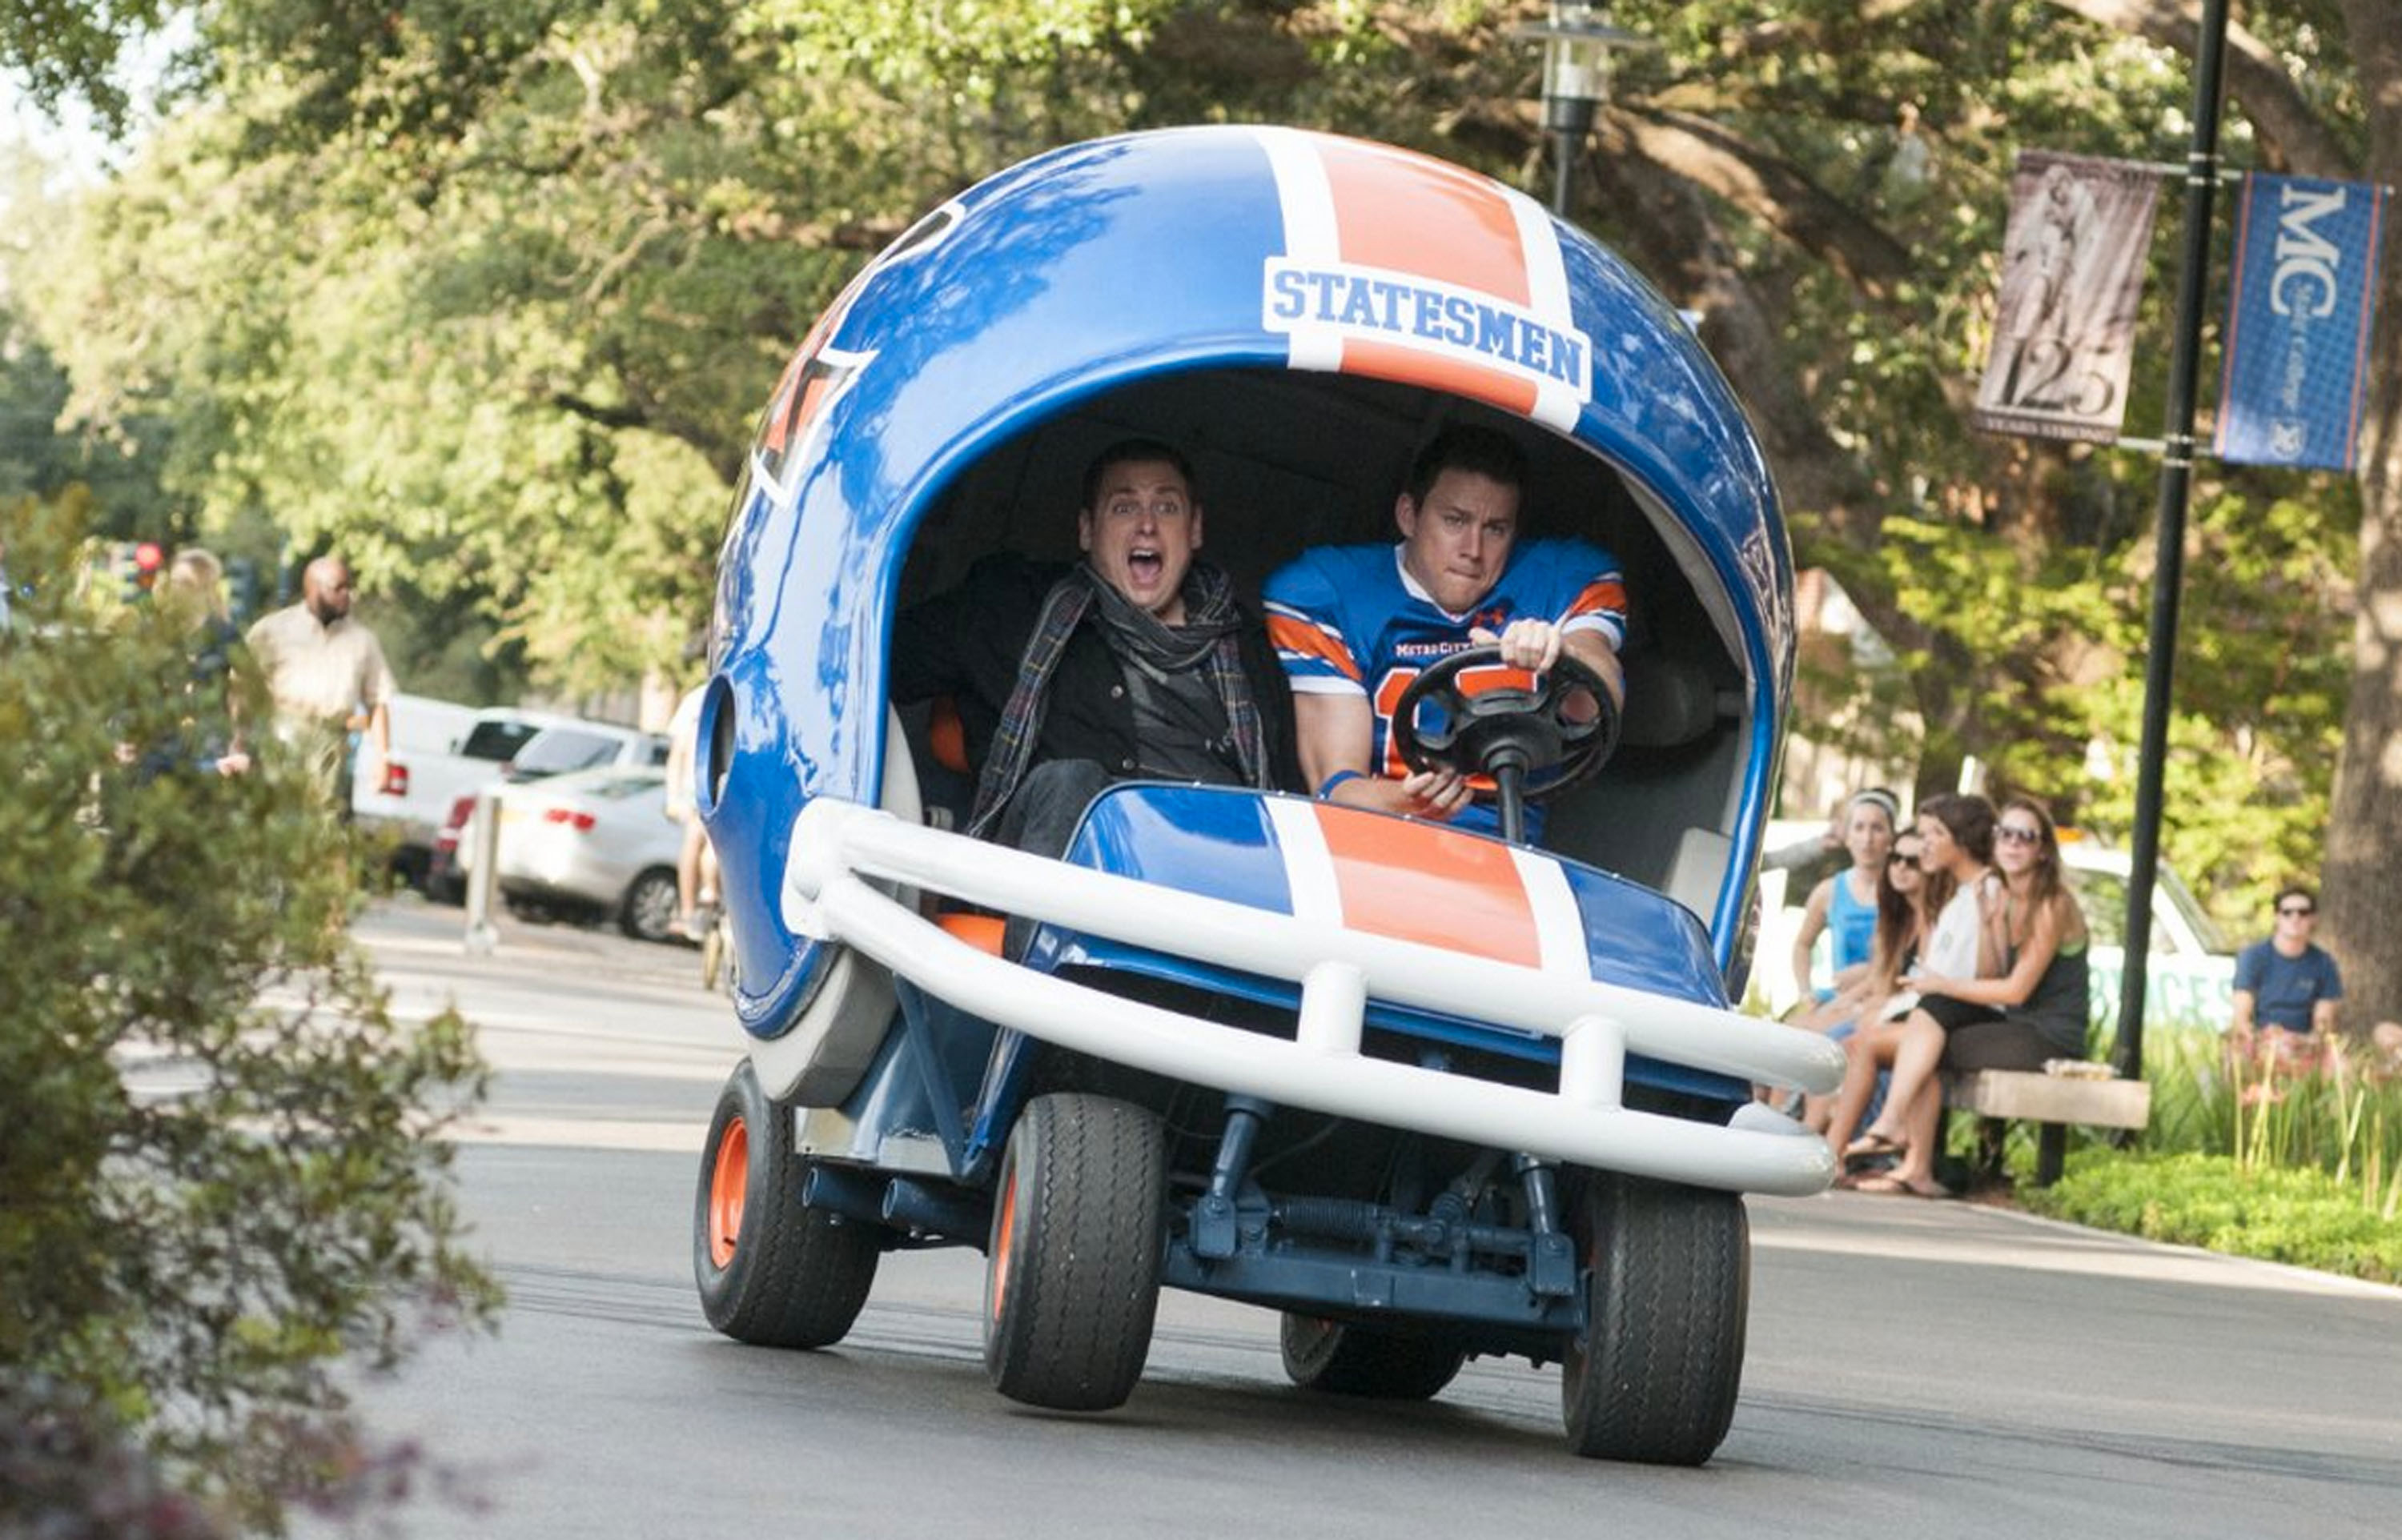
column 1349, row 1360
column 651, row 907
column 1072, row 1279
column 772, row 1272
column 1667, row 1278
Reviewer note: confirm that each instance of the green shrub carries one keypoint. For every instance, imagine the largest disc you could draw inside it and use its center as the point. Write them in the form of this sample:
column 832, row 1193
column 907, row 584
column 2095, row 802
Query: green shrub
column 2303, row 1216
column 222, row 1166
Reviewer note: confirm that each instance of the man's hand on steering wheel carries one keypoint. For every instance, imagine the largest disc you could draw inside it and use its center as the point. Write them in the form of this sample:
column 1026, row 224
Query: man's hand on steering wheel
column 1536, row 646
column 1436, row 794
column 1535, row 740
column 1525, row 642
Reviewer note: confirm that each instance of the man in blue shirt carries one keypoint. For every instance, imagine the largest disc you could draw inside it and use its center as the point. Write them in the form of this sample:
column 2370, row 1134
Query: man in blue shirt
column 1354, row 624
column 2285, row 983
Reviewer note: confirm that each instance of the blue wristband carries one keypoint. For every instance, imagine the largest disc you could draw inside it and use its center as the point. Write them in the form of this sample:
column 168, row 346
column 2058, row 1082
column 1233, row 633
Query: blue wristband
column 1326, row 787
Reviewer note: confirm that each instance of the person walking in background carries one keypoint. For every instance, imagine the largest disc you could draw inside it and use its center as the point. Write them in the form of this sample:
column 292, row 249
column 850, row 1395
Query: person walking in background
column 327, row 675
column 193, row 597
column 682, row 769
column 2287, row 988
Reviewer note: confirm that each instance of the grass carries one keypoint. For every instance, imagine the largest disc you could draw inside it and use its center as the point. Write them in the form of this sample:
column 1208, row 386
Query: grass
column 2294, row 1158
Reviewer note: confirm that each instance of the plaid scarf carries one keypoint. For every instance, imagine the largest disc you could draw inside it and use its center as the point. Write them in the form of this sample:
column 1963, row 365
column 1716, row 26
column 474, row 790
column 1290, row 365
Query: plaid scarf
column 1210, row 635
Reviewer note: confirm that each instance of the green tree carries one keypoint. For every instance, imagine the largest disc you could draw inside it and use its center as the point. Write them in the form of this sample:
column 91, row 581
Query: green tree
column 223, row 1160
column 486, row 288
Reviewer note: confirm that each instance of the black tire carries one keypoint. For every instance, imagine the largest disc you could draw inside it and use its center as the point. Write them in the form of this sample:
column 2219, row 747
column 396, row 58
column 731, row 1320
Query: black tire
column 1071, row 1277
column 1348, row 1360
column 651, row 907
column 772, row 1272
column 1667, row 1278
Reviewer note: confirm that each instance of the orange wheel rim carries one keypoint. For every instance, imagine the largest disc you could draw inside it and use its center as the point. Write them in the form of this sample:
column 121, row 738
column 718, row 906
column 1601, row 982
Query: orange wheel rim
column 729, row 1178
column 1000, row 1240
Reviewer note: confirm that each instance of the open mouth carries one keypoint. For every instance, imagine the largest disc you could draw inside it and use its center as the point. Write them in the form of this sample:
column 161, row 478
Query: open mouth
column 1146, row 566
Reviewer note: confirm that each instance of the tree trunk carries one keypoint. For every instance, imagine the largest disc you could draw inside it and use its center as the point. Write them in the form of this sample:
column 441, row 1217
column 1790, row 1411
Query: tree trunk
column 2363, row 878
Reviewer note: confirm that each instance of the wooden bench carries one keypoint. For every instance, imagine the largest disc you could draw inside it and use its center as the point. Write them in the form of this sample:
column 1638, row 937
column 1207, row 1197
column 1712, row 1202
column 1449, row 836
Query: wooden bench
column 2052, row 1102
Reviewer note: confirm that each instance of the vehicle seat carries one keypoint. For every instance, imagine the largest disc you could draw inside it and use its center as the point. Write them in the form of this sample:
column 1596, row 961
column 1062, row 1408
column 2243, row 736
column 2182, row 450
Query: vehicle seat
column 934, row 741
column 1671, row 702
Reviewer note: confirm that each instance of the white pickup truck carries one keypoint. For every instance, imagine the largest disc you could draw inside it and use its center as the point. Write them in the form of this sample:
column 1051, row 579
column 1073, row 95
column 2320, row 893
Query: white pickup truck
column 440, row 751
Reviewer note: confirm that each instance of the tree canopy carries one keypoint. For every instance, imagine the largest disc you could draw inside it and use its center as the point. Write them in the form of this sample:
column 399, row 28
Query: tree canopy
column 488, row 290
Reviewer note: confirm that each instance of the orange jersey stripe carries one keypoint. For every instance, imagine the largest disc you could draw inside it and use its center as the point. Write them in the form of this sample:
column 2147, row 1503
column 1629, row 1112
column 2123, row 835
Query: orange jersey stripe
column 1299, row 636
column 1419, row 882
column 1601, row 593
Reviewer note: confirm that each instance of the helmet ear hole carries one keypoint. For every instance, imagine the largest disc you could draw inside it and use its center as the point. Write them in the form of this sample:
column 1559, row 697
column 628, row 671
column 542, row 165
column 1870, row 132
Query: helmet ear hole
column 717, row 715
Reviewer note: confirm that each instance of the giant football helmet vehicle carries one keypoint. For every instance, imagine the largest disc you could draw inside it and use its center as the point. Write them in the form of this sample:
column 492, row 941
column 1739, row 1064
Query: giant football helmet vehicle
column 1428, row 1093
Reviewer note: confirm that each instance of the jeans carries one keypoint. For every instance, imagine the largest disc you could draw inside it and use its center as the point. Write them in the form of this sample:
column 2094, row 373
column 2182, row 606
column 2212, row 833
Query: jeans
column 1040, row 818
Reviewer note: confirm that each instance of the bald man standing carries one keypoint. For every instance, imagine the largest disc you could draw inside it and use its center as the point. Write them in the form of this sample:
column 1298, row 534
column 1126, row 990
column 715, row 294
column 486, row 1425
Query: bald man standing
column 328, row 675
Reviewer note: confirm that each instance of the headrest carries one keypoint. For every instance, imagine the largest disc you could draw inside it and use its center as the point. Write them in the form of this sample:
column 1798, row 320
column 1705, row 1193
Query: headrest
column 1669, row 701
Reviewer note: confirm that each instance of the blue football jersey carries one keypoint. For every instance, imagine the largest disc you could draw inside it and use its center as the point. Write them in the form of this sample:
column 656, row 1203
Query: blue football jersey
column 1350, row 620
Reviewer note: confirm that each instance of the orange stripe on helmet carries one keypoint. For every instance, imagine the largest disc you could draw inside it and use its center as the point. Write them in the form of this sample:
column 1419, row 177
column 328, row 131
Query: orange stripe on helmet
column 1388, row 208
column 1405, row 365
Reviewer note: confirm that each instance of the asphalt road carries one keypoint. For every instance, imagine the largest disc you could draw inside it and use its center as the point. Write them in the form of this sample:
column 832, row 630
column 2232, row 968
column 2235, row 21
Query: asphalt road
column 1915, row 1369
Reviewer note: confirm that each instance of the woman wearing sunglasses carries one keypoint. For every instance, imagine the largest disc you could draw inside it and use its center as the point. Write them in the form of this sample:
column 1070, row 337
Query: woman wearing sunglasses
column 1876, row 997
column 2034, row 1008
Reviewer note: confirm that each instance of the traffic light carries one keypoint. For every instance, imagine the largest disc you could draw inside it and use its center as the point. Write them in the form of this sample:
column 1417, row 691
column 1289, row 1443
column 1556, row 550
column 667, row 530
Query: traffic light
column 148, row 559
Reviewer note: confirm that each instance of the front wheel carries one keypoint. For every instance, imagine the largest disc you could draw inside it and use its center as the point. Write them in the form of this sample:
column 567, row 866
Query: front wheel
column 1348, row 1360
column 1667, row 1277
column 772, row 1272
column 1079, row 1229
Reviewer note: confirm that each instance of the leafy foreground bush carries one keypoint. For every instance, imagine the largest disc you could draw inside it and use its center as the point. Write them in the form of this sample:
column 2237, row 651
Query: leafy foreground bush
column 2300, row 1215
column 208, row 1201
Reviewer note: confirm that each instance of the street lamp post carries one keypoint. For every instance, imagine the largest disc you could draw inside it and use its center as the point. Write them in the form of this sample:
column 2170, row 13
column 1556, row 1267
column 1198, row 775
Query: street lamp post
column 1576, row 80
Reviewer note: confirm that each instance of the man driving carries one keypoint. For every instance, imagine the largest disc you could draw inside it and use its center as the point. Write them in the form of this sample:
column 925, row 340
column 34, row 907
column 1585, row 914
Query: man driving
column 1355, row 624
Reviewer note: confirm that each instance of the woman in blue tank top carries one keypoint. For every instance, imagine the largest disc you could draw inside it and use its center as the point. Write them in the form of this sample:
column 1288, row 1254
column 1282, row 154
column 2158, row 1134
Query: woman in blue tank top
column 1845, row 906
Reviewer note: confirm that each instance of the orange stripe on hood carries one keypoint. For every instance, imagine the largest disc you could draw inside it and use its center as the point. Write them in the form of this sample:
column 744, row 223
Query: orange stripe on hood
column 1420, row 882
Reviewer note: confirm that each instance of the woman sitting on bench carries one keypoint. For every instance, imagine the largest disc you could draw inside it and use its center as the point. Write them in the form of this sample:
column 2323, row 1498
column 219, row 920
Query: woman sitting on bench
column 2036, row 1009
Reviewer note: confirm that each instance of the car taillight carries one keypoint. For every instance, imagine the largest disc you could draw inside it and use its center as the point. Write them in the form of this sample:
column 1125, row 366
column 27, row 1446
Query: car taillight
column 455, row 827
column 569, row 816
column 395, row 779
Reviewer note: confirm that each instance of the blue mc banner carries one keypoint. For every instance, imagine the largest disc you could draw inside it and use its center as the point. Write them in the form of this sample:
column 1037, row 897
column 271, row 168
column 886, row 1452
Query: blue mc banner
column 2297, row 322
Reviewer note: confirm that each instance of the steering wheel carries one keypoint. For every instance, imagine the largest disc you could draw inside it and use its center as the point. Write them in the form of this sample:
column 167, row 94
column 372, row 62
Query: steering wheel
column 1512, row 734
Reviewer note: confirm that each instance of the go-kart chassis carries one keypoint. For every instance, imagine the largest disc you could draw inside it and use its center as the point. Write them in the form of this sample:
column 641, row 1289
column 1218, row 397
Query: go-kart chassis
column 915, row 1148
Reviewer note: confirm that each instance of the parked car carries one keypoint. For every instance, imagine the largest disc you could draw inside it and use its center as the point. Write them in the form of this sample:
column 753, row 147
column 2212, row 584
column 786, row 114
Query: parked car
column 593, row 844
column 565, row 746
column 2189, row 982
column 439, row 748
column 536, row 747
